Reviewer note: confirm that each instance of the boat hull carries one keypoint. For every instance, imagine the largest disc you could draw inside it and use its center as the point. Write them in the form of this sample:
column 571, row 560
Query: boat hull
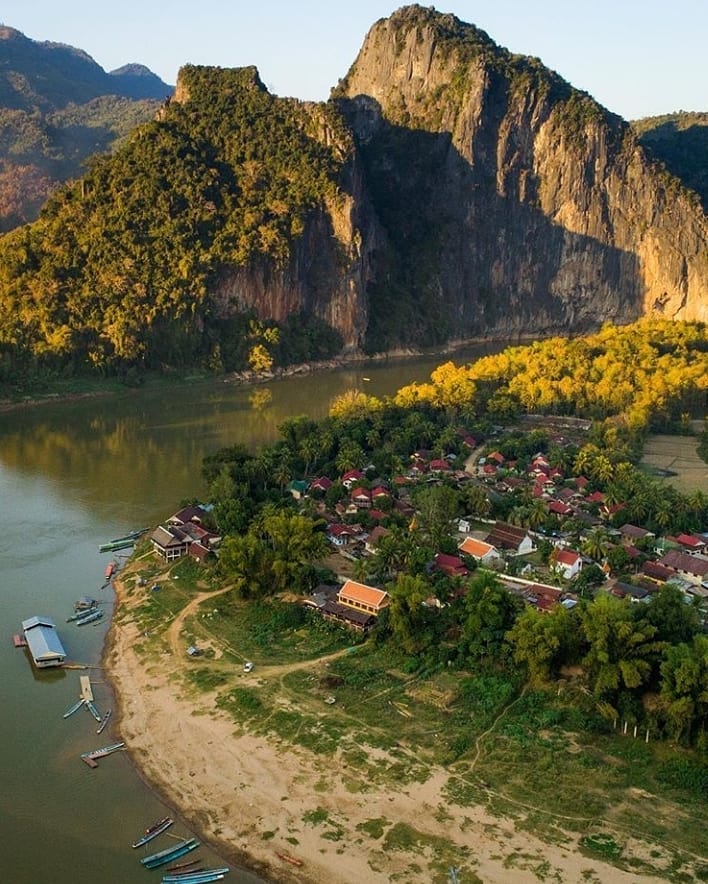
column 166, row 856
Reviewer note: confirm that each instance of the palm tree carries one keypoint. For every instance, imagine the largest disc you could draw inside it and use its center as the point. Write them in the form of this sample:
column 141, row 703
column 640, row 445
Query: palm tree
column 596, row 544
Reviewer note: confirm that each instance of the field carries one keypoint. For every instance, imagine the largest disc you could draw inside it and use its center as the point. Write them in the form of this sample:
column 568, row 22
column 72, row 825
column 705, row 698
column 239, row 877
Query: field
column 675, row 458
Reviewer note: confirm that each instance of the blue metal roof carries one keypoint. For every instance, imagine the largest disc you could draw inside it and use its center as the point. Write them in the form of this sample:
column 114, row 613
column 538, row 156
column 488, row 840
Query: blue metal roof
column 43, row 640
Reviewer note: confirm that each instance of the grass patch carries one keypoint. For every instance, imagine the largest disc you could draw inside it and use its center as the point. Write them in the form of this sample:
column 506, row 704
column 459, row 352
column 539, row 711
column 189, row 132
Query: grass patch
column 601, row 844
column 374, row 828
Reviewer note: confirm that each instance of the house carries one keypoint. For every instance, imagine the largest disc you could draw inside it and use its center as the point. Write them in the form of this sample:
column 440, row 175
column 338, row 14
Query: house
column 338, row 534
column 351, row 478
column 194, row 513
column 452, row 566
column 558, row 508
column 170, row 542
column 361, row 498
column 298, row 488
column 479, row 550
column 439, row 466
column 321, row 485
column 43, row 642
column 174, row 541
column 510, row 537
column 692, row 567
column 542, row 597
column 632, row 533
column 380, row 493
column 691, row 543
column 372, row 541
column 657, row 573
column 363, row 597
column 568, row 563
column 631, row 592
column 359, row 620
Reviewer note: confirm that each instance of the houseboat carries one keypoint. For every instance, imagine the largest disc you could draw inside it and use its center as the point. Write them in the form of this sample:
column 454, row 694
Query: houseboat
column 43, row 642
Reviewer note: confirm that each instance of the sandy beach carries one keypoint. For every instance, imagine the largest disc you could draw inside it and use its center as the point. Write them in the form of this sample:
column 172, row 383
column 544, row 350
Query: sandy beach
column 247, row 795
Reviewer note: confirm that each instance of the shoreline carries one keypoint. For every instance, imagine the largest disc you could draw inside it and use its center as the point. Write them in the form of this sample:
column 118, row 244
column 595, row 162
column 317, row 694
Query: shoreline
column 253, row 798
column 252, row 378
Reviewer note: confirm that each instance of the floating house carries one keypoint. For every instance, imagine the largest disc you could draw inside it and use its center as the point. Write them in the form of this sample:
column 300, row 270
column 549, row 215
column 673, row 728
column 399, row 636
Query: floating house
column 43, row 642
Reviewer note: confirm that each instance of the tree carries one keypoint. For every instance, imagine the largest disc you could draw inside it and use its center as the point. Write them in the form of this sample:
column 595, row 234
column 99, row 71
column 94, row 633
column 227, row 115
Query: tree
column 674, row 620
column 596, row 544
column 438, row 506
column 621, row 650
column 274, row 554
column 543, row 642
column 489, row 613
column 684, row 689
column 408, row 616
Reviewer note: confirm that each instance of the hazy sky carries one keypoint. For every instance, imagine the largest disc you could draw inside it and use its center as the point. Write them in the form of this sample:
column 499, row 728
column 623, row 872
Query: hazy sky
column 637, row 57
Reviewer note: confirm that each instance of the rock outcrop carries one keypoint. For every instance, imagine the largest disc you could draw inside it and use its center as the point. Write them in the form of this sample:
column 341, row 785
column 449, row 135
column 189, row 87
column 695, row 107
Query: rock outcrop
column 513, row 202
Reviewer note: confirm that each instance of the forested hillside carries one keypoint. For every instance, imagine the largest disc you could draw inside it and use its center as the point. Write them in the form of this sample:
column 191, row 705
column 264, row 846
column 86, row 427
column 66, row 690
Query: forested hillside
column 449, row 190
column 116, row 270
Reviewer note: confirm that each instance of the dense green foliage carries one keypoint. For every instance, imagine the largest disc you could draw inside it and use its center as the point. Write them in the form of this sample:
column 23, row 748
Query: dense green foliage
column 117, row 269
column 641, row 663
column 680, row 142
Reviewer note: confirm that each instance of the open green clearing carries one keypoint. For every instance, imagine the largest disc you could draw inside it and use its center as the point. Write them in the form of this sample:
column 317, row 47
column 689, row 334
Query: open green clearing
column 553, row 766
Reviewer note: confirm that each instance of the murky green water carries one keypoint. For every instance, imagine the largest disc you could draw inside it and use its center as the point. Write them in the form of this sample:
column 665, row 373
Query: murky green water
column 73, row 475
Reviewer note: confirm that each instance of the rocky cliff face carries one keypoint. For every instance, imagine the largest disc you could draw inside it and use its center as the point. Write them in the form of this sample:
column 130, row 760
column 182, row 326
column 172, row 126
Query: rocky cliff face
column 514, row 203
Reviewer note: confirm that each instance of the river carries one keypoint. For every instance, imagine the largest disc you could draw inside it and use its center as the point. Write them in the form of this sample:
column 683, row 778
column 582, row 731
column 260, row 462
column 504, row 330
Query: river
column 74, row 475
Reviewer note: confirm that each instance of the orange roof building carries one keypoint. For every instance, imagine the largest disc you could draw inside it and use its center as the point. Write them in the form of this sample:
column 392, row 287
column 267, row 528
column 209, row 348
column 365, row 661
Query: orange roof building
column 478, row 549
column 363, row 597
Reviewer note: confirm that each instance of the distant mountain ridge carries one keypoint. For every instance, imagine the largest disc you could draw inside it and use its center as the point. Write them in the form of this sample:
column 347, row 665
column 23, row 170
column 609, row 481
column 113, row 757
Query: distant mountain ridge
column 57, row 108
column 448, row 190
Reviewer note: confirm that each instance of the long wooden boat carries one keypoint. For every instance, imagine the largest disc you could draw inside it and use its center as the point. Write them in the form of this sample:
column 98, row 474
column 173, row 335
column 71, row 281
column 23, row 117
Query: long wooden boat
column 74, row 708
column 91, row 617
column 115, row 545
column 92, row 709
column 185, row 873
column 153, row 831
column 170, row 853
column 131, row 535
column 180, row 867
column 103, row 751
column 198, row 877
column 293, row 860
column 104, row 721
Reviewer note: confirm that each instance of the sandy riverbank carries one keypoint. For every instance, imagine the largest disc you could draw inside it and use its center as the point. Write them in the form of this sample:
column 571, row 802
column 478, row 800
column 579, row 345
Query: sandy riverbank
column 247, row 795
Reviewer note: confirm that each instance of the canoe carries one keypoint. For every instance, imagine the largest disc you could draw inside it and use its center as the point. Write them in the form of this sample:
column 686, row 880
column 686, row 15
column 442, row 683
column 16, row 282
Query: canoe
column 91, row 617
column 104, row 721
column 115, row 545
column 293, row 860
column 74, row 708
column 103, row 751
column 92, row 709
column 170, row 853
column 153, row 831
column 197, row 877
column 131, row 535
column 180, row 867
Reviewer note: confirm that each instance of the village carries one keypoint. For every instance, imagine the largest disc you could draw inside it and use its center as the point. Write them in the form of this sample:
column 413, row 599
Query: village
column 572, row 542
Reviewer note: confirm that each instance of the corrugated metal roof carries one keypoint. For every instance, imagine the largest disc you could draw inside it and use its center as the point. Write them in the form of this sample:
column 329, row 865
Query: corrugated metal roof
column 43, row 640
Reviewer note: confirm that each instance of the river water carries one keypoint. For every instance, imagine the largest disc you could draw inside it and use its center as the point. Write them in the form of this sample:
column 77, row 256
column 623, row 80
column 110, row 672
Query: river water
column 74, row 475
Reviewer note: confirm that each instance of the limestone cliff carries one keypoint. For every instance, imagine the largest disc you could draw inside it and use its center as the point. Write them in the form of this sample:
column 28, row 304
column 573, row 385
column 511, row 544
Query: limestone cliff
column 514, row 203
